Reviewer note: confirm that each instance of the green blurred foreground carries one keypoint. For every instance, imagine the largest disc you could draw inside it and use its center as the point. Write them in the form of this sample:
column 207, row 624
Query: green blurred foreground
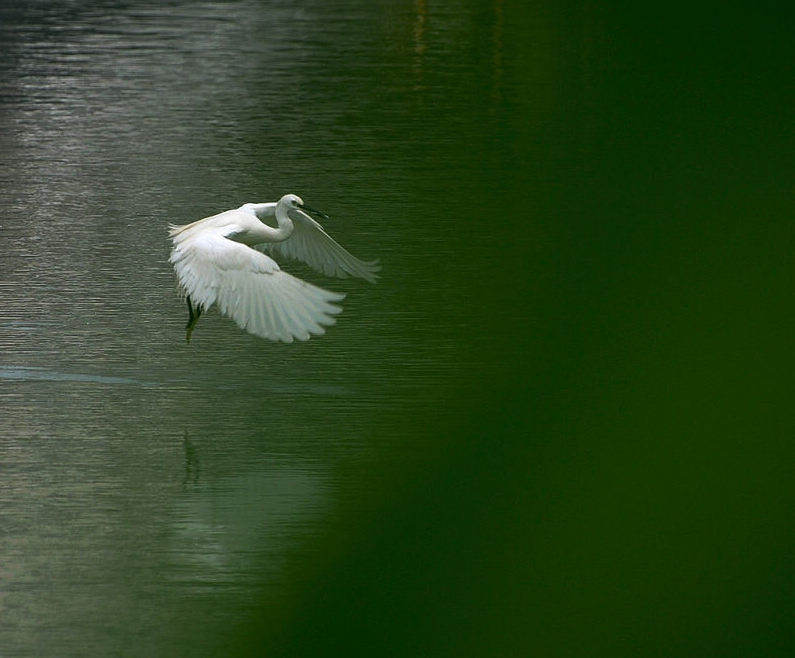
column 621, row 484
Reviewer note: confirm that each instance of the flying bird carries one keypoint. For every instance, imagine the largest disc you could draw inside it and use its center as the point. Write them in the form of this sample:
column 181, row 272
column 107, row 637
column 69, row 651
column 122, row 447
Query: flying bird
column 226, row 260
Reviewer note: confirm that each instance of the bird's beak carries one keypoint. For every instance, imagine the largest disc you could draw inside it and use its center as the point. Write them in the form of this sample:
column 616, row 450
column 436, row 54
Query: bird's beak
column 315, row 212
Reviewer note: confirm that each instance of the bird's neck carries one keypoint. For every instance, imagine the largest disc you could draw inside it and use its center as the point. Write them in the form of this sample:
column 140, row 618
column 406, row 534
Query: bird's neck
column 285, row 225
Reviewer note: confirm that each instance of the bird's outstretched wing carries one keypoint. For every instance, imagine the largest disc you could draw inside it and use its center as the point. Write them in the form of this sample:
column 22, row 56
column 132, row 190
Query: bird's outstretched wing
column 311, row 244
column 249, row 287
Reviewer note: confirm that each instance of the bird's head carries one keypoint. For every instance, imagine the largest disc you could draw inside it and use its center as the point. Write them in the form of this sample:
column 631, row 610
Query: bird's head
column 292, row 201
column 295, row 201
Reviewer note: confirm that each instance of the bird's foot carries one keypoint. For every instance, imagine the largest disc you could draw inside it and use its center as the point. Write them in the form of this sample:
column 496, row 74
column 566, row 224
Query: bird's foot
column 193, row 318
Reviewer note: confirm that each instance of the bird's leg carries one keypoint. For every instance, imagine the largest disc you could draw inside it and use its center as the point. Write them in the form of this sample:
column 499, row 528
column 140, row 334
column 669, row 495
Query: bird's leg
column 193, row 318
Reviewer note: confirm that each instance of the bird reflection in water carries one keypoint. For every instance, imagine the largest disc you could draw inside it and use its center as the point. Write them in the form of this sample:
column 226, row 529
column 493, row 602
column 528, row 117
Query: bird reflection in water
column 191, row 462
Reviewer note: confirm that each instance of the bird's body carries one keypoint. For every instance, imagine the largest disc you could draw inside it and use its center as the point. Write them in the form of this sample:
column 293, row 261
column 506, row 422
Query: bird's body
column 217, row 263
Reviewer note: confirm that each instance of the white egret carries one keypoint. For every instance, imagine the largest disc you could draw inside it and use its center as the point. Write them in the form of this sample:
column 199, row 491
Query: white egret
column 221, row 260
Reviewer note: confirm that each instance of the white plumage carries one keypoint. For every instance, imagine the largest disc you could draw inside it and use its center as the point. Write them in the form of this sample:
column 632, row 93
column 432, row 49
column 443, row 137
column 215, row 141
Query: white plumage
column 221, row 260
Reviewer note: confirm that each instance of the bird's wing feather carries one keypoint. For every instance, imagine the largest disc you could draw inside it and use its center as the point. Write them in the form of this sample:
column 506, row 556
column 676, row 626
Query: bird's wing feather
column 249, row 287
column 311, row 244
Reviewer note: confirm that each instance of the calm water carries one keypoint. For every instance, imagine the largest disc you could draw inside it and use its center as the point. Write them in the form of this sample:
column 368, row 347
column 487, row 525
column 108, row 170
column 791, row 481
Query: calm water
column 528, row 435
